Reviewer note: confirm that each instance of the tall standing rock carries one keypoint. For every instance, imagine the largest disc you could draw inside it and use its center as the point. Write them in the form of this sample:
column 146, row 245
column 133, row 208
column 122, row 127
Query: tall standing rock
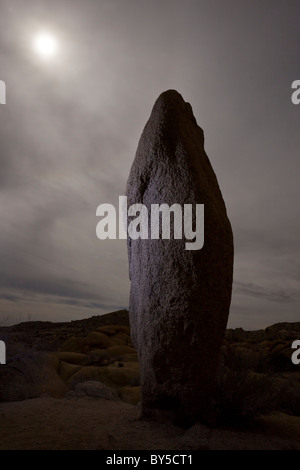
column 179, row 299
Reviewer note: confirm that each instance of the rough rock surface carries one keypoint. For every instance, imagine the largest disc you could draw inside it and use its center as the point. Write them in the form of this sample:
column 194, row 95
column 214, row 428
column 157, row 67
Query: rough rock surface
column 179, row 299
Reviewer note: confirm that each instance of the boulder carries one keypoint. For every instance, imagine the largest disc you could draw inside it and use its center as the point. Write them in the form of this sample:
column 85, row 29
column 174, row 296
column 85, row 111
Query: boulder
column 31, row 375
column 179, row 298
column 93, row 389
column 72, row 357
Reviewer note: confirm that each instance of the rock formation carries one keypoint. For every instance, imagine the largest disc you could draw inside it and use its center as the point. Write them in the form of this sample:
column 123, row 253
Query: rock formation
column 179, row 299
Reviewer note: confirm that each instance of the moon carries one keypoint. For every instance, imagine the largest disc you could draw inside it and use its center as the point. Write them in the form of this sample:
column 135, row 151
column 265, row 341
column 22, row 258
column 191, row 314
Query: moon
column 45, row 45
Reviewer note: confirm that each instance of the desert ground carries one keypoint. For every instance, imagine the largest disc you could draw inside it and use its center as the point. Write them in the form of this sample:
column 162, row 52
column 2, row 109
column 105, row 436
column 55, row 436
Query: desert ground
column 76, row 386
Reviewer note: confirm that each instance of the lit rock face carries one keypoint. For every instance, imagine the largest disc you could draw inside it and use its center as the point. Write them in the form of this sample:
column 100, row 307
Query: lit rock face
column 179, row 299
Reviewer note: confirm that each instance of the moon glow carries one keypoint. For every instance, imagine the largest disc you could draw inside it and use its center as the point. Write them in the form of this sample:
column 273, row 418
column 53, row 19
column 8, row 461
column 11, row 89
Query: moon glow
column 45, row 45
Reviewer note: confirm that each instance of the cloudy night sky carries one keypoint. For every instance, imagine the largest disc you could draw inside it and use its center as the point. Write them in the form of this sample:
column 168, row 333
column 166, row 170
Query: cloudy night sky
column 71, row 125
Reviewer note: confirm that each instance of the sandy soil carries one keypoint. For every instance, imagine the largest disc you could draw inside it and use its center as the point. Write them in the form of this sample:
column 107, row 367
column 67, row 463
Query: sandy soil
column 89, row 424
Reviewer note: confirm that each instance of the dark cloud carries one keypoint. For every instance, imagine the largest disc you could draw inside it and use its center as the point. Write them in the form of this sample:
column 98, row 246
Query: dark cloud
column 69, row 132
column 11, row 298
column 280, row 296
column 92, row 305
column 57, row 287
